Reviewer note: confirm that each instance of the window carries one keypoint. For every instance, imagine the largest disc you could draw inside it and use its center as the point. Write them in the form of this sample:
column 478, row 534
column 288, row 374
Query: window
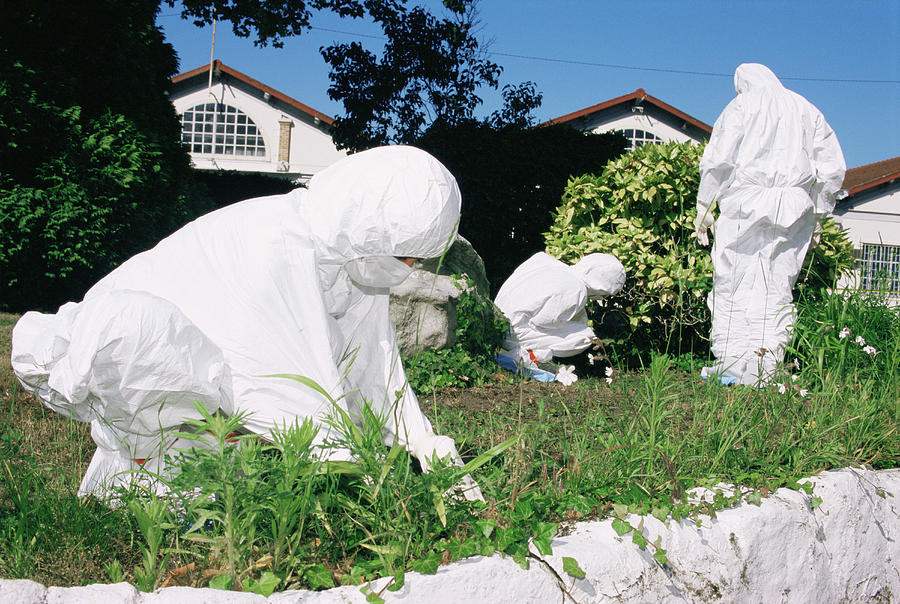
column 218, row 129
column 879, row 267
column 640, row 137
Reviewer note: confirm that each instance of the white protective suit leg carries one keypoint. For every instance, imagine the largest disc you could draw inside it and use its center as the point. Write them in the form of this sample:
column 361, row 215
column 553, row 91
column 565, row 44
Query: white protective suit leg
column 767, row 232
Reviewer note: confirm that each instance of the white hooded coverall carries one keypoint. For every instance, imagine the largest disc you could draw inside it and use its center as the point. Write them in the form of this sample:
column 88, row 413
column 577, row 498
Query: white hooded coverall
column 546, row 300
column 773, row 166
column 288, row 284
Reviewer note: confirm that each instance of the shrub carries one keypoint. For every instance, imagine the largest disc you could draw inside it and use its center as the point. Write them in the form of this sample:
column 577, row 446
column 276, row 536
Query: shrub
column 641, row 209
column 101, row 195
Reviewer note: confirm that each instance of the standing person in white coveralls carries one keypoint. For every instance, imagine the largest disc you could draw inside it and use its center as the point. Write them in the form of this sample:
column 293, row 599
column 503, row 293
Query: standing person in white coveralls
column 545, row 301
column 773, row 165
column 288, row 284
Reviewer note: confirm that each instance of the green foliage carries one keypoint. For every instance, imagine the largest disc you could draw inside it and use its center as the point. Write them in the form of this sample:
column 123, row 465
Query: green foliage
column 264, row 515
column 91, row 167
column 641, row 209
column 511, row 180
column 480, row 328
column 87, row 206
column 846, row 335
column 430, row 70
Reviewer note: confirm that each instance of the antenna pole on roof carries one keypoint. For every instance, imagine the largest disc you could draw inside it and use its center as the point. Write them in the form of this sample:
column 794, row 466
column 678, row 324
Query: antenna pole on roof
column 212, row 52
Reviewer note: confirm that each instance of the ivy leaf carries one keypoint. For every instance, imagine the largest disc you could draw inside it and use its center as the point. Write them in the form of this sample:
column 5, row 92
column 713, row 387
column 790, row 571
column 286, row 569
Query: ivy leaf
column 222, row 582
column 318, row 577
column 754, row 497
column 543, row 535
column 571, row 568
column 621, row 527
column 266, row 584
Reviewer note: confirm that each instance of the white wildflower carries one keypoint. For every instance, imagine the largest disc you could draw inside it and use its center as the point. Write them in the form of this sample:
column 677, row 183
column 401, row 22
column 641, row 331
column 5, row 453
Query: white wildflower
column 609, row 381
column 869, row 350
column 803, row 392
column 782, row 388
column 845, row 333
column 609, row 372
column 797, row 363
column 860, row 340
column 794, row 378
column 591, row 358
column 566, row 375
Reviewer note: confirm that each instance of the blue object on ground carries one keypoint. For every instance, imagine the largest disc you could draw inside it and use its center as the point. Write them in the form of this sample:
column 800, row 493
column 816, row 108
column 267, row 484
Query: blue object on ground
column 720, row 379
column 516, row 366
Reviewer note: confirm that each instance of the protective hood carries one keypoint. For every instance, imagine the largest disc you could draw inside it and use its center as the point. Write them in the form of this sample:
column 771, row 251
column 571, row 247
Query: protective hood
column 388, row 201
column 754, row 75
column 602, row 274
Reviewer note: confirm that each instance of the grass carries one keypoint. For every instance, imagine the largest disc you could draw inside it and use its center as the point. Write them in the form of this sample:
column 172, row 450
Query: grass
column 264, row 516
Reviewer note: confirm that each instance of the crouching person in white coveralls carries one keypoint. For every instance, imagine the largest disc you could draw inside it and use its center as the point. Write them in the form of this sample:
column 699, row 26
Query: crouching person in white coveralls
column 288, row 284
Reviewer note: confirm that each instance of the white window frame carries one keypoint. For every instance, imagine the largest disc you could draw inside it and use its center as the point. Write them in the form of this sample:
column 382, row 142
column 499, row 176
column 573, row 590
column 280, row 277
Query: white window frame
column 878, row 263
column 222, row 131
column 637, row 137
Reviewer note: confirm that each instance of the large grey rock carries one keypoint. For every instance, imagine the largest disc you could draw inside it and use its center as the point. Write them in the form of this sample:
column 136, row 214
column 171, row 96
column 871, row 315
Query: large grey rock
column 423, row 311
column 423, row 308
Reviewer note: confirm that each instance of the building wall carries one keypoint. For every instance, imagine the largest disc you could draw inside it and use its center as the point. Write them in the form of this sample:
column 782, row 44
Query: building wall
column 311, row 149
column 650, row 120
column 872, row 217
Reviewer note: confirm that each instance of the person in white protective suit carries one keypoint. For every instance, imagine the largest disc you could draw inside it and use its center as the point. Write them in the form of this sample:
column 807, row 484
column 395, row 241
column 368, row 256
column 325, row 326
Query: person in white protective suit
column 289, row 284
column 546, row 300
column 773, row 166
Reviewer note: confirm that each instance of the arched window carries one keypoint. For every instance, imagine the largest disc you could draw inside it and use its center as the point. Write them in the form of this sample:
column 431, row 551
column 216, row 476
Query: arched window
column 219, row 129
column 640, row 137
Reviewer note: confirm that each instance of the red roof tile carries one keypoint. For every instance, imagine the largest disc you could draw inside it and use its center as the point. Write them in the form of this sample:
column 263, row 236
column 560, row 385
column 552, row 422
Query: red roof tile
column 219, row 65
column 865, row 177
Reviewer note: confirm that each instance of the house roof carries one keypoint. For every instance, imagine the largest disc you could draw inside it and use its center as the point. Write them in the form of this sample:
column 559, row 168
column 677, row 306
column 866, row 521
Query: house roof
column 222, row 68
column 863, row 178
column 637, row 97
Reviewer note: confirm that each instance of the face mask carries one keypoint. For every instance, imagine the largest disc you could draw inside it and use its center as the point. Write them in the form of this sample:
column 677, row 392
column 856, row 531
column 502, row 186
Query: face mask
column 377, row 271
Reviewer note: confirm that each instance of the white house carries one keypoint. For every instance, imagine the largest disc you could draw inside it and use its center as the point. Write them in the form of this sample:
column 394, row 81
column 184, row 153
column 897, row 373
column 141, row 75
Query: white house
column 232, row 122
column 643, row 118
column 871, row 214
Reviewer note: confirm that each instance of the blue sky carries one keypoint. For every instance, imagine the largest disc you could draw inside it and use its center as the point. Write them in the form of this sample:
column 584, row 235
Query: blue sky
column 844, row 56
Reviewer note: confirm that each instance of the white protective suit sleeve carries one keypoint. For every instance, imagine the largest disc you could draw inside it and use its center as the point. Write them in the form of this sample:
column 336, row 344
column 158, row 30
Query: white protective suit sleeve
column 828, row 160
column 717, row 166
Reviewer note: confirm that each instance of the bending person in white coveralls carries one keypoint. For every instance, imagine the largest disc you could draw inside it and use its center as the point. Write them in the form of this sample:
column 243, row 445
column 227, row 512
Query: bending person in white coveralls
column 289, row 284
column 773, row 166
column 546, row 300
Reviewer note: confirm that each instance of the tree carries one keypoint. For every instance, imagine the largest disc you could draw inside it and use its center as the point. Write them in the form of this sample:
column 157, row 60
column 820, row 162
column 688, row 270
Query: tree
column 91, row 168
column 512, row 180
column 430, row 69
